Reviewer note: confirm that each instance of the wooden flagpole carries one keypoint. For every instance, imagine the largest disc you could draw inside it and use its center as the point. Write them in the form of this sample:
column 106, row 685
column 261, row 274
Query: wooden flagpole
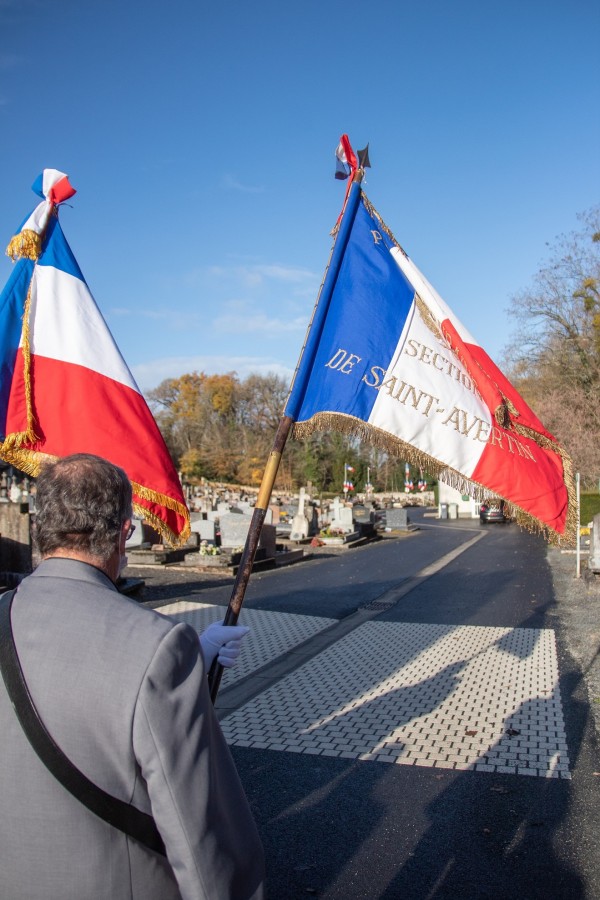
column 247, row 561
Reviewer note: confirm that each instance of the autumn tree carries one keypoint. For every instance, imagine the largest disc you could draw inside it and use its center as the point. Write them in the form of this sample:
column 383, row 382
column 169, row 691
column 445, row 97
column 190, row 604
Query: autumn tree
column 176, row 407
column 554, row 356
column 197, row 416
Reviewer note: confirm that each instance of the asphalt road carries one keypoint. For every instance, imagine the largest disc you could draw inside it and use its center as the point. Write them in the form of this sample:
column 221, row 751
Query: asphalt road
column 354, row 828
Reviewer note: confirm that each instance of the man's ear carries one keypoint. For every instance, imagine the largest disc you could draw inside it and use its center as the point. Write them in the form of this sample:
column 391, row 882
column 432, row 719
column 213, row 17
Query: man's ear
column 123, row 535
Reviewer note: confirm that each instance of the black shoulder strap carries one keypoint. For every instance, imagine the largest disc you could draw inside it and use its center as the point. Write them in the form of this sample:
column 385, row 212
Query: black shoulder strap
column 121, row 815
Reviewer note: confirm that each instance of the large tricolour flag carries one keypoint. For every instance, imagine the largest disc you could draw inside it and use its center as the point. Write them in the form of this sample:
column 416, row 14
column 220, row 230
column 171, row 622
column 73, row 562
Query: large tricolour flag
column 64, row 385
column 386, row 359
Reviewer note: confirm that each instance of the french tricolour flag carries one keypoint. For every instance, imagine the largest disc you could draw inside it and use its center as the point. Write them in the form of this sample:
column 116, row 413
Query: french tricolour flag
column 386, row 358
column 64, row 386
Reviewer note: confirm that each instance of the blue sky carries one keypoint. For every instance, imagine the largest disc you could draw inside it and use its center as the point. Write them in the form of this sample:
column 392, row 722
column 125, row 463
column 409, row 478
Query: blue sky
column 201, row 141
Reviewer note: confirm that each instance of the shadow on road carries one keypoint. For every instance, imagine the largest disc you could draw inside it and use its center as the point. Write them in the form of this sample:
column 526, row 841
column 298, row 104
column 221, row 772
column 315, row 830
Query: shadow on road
column 338, row 829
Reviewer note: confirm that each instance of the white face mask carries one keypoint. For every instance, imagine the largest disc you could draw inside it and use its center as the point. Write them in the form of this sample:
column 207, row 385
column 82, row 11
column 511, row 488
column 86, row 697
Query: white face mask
column 122, row 563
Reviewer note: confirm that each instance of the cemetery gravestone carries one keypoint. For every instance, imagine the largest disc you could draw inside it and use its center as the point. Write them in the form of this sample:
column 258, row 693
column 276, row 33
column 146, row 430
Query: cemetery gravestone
column 267, row 541
column 396, row 519
column 234, row 530
column 206, row 530
column 343, row 520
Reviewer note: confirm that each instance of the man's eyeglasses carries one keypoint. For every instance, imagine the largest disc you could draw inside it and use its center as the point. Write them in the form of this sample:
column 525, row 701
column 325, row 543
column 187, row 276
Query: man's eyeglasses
column 130, row 531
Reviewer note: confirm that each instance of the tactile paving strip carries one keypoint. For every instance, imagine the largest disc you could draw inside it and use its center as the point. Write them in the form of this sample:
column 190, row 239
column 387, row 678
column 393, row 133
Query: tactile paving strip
column 452, row 697
column 271, row 634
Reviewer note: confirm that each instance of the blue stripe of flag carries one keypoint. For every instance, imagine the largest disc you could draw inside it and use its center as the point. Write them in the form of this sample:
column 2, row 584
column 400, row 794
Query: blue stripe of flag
column 366, row 309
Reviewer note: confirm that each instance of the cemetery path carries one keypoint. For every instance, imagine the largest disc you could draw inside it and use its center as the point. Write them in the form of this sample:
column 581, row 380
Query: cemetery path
column 407, row 730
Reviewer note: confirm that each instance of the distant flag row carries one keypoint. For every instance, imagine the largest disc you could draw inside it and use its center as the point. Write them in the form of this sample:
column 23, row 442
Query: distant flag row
column 408, row 482
column 348, row 484
column 64, row 386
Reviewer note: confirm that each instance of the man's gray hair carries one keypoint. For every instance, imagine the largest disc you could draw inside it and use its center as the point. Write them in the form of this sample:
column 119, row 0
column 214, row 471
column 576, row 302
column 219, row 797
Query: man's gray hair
column 81, row 503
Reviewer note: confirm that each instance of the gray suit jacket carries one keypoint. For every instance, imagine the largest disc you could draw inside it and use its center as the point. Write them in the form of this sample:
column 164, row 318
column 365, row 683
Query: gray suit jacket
column 123, row 692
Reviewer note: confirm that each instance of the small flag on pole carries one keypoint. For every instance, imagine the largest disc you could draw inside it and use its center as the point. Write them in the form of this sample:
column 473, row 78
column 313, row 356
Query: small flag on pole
column 417, row 384
column 348, row 485
column 346, row 162
column 64, row 386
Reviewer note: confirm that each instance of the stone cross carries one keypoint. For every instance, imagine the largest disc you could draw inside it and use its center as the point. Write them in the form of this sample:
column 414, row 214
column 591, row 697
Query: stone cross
column 300, row 522
column 335, row 508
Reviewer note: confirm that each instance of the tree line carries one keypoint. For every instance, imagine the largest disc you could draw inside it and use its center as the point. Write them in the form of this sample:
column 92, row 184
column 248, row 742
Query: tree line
column 221, row 427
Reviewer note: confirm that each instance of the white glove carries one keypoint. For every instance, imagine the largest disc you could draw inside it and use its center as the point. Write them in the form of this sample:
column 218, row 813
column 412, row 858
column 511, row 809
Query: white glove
column 223, row 642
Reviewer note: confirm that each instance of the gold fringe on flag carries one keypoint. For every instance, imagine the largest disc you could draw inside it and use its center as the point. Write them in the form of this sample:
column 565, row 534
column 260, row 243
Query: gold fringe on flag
column 428, row 318
column 174, row 540
column 24, row 458
column 27, row 244
column 151, row 496
column 383, row 440
column 21, row 437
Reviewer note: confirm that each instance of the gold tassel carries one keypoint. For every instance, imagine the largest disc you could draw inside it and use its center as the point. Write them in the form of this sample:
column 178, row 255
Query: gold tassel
column 27, row 244
column 501, row 415
column 31, row 436
column 28, row 461
column 13, row 442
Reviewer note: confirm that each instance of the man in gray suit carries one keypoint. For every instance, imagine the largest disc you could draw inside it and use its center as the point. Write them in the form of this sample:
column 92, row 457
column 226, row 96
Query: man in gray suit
column 123, row 692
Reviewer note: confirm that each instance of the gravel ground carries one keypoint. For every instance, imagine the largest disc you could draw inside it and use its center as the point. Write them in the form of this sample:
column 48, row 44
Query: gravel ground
column 173, row 582
column 577, row 607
